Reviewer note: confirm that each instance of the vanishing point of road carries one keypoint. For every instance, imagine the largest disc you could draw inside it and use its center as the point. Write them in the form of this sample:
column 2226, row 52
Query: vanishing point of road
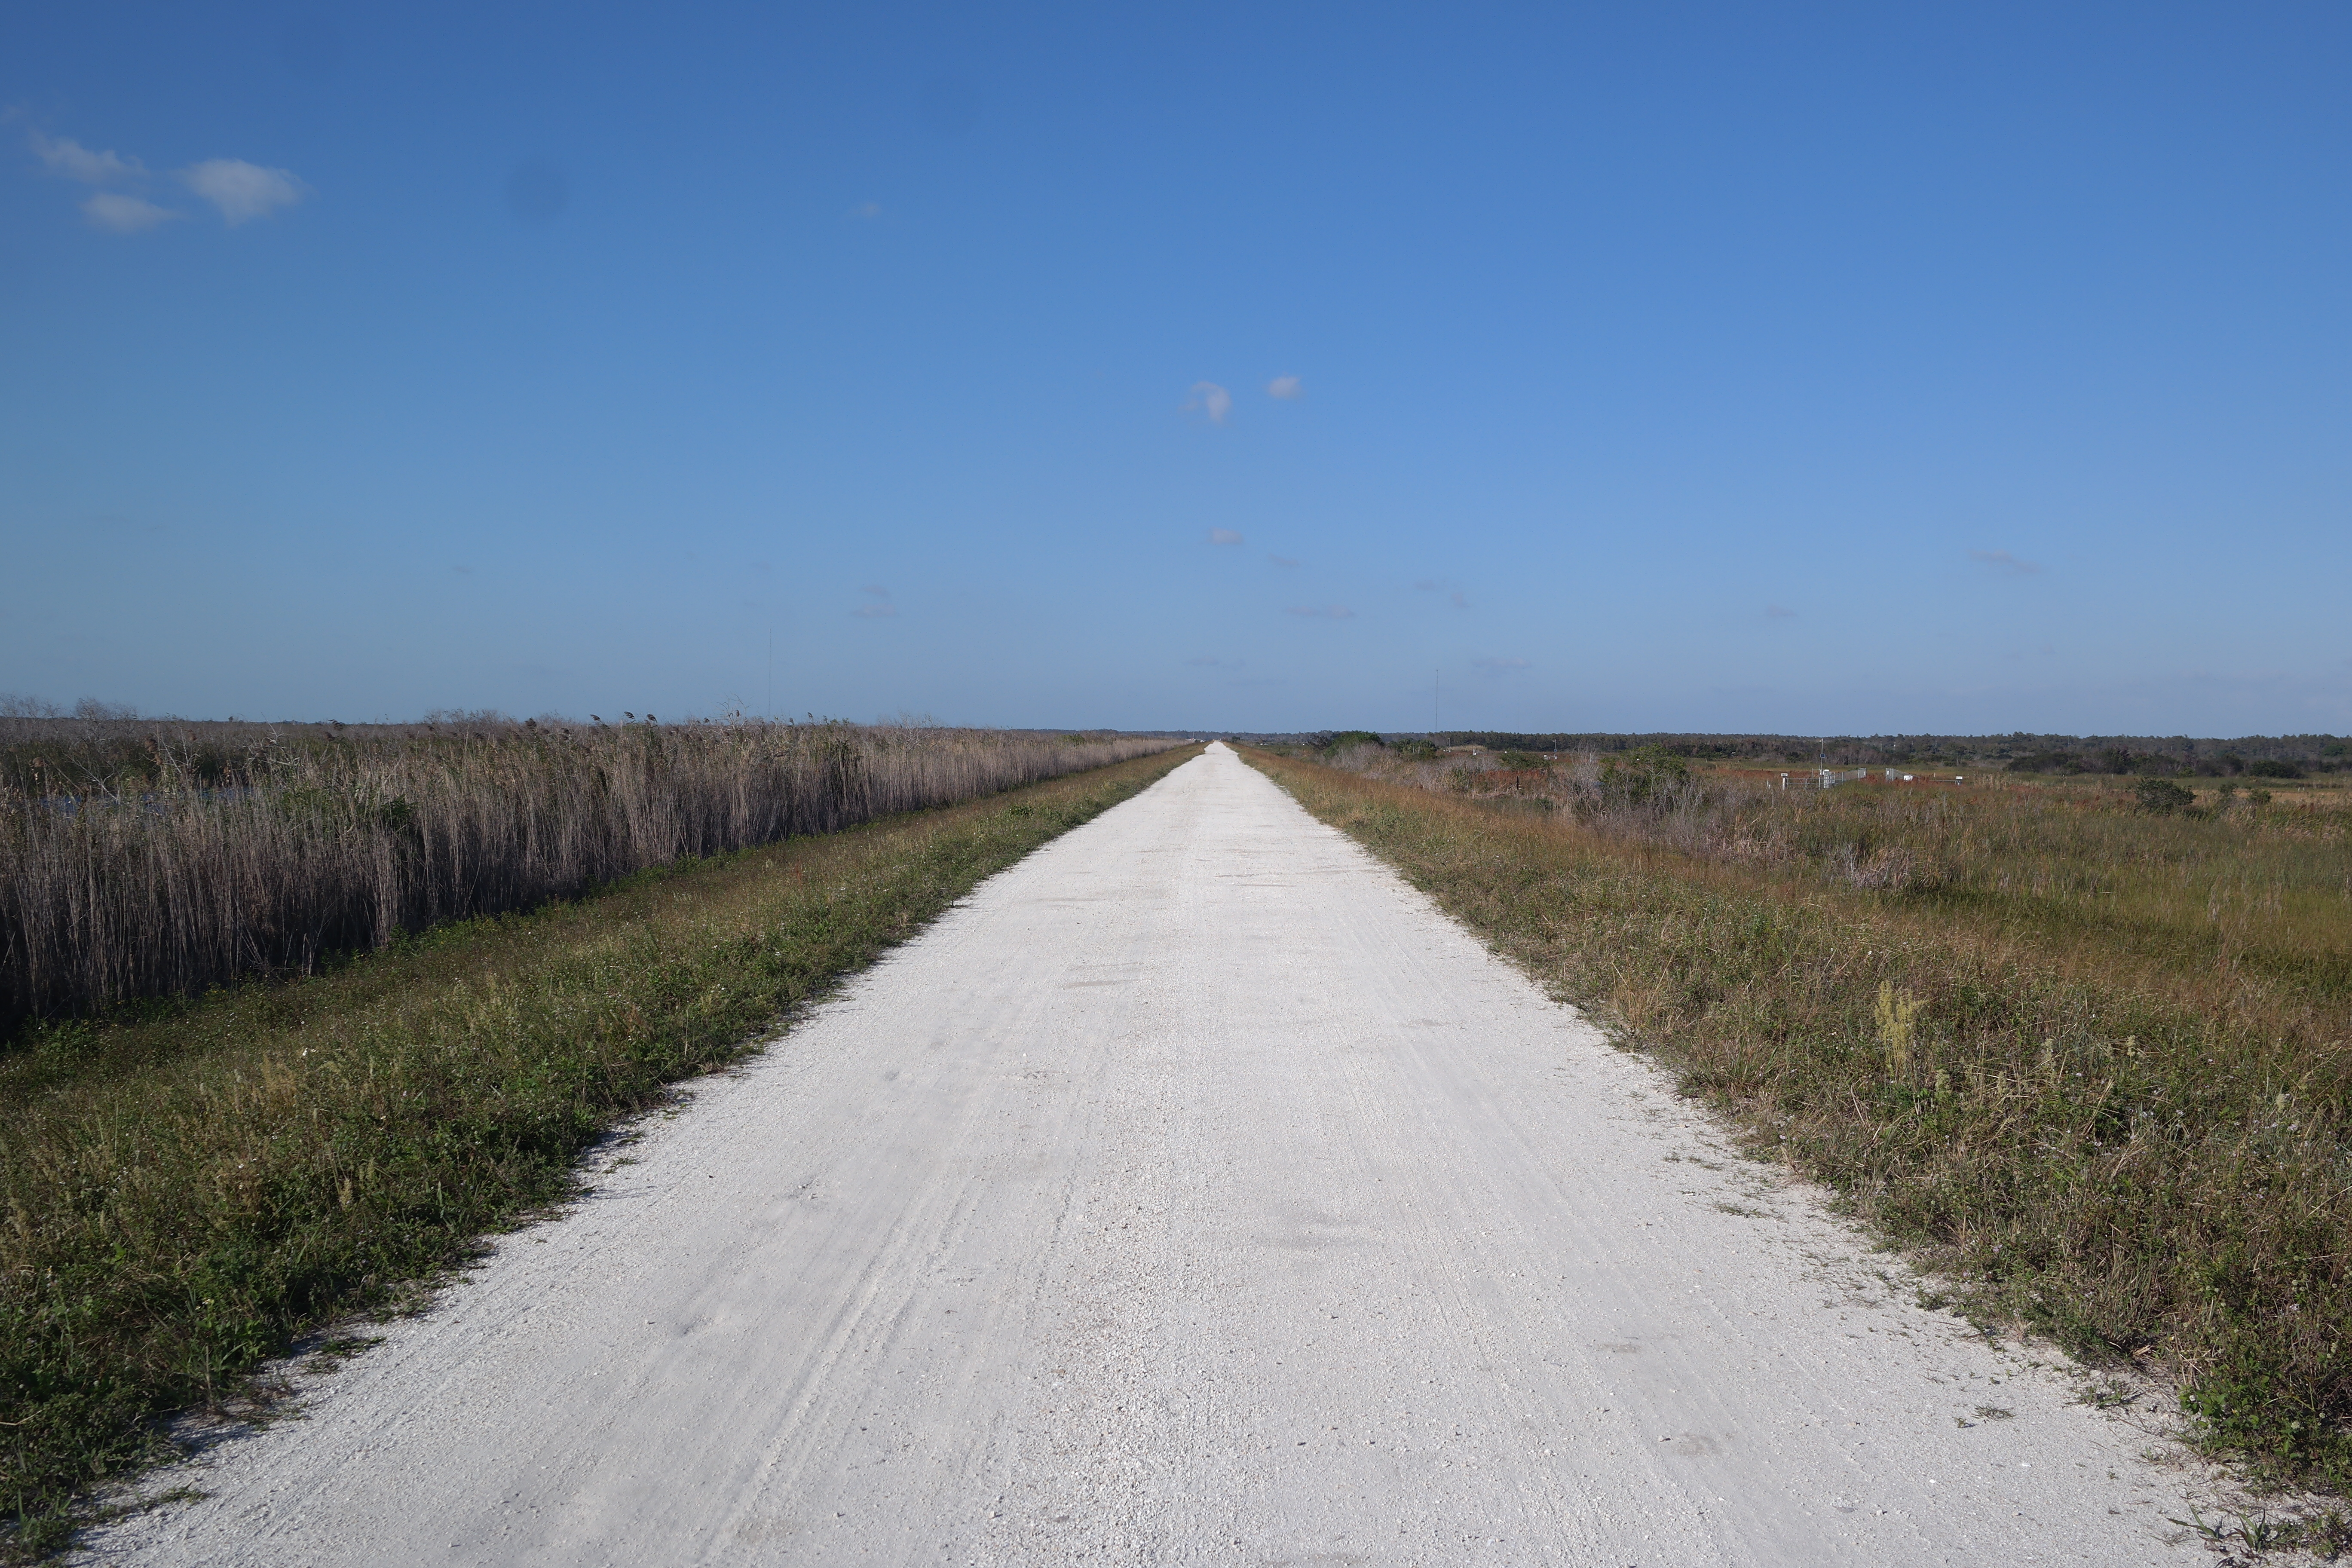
column 1194, row 1192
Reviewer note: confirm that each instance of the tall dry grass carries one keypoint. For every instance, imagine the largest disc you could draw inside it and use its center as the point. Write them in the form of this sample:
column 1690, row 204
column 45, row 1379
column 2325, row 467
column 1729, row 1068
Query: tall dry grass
column 158, row 864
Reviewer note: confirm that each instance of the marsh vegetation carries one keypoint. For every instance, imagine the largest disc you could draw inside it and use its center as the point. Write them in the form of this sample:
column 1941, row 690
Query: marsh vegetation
column 156, row 859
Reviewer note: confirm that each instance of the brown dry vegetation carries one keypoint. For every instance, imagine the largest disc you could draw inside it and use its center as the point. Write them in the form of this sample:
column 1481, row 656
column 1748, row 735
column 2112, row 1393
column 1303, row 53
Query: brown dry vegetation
column 156, row 860
column 2246, row 882
column 2091, row 1062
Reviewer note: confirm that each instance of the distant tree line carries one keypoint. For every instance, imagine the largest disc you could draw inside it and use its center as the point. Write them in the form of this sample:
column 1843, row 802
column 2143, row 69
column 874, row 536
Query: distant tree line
column 2255, row 756
column 2227, row 763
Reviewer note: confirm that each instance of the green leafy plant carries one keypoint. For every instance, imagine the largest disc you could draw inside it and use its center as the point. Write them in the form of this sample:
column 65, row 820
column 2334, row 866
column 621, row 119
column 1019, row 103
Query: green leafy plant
column 1640, row 774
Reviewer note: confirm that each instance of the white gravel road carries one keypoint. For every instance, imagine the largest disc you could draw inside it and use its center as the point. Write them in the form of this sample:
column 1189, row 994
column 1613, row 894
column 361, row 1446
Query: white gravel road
column 1195, row 1193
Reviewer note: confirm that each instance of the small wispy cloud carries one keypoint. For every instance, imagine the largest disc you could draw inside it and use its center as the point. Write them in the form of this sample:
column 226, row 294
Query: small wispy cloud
column 866, row 210
column 1458, row 599
column 243, row 191
column 1284, row 560
column 118, row 212
column 1779, row 613
column 2004, row 563
column 1210, row 398
column 1223, row 536
column 66, row 156
column 881, row 609
column 1323, row 612
column 1284, row 386
column 1426, row 586
column 1501, row 664
column 239, row 191
column 1455, row 596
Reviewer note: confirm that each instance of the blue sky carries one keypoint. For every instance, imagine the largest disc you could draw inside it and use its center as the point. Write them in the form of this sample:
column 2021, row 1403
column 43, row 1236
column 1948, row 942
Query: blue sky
column 1656, row 367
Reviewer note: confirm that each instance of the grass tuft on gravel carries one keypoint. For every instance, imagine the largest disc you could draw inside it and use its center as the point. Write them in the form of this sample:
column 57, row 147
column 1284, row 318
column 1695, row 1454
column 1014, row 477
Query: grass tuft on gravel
column 188, row 1187
column 2142, row 1157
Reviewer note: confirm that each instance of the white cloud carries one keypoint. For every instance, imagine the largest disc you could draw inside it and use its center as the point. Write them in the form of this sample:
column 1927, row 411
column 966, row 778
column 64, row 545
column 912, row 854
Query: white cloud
column 1212, row 400
column 1284, row 386
column 120, row 213
column 867, row 209
column 1284, row 560
column 2002, row 562
column 69, row 157
column 1223, row 536
column 238, row 189
column 242, row 190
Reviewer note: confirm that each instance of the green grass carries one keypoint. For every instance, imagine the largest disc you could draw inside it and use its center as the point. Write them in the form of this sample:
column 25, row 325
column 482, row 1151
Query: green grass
column 187, row 1187
column 2219, row 895
column 2093, row 1066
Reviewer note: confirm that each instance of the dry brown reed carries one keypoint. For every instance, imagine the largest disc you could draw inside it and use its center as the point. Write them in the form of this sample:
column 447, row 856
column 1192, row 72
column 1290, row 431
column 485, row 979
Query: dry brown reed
column 164, row 863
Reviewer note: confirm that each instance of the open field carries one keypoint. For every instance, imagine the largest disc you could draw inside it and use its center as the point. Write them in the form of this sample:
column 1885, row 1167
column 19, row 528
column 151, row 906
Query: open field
column 184, row 1190
column 2255, row 883
column 152, row 858
column 2206, row 756
column 2091, row 1063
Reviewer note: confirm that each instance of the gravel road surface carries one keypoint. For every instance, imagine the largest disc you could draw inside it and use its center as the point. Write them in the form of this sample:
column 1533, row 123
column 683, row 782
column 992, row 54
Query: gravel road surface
column 1195, row 1193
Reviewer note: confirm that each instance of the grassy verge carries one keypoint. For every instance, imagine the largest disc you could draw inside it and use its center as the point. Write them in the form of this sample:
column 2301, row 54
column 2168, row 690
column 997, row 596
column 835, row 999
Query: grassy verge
column 2139, row 1167
column 183, row 1191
